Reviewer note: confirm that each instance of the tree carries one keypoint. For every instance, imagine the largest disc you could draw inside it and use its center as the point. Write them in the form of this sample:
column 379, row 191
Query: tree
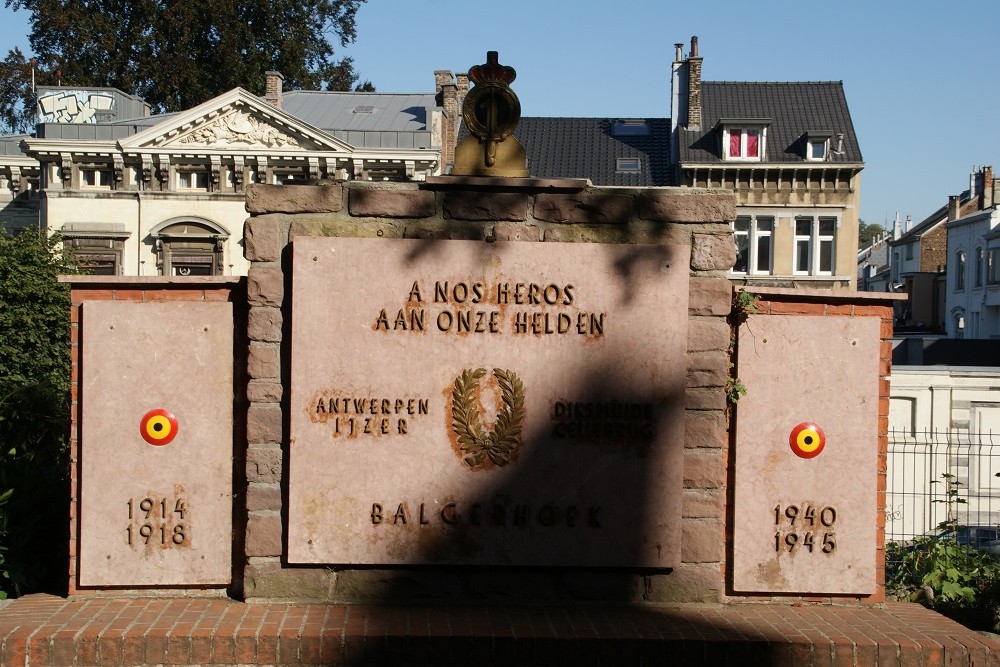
column 34, row 412
column 867, row 231
column 175, row 54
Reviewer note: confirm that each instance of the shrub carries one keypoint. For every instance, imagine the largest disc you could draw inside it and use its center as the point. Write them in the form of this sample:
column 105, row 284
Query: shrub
column 34, row 413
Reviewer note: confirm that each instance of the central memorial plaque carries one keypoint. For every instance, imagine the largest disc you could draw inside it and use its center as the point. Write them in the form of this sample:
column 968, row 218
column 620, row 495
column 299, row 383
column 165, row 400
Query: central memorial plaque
column 462, row 402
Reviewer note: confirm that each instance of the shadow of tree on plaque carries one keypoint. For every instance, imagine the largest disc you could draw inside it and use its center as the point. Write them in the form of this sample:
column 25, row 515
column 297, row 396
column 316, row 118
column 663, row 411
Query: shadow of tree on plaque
column 583, row 499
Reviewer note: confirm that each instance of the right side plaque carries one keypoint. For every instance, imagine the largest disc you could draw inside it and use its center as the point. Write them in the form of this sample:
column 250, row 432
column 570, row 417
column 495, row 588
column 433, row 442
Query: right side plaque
column 806, row 455
column 463, row 402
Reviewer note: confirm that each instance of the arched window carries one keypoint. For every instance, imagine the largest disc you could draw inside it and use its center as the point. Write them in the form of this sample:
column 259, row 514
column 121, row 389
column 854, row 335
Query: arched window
column 979, row 267
column 960, row 270
column 189, row 247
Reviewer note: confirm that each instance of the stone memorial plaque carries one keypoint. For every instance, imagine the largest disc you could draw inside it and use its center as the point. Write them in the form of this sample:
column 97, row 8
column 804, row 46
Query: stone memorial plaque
column 156, row 444
column 464, row 402
column 806, row 455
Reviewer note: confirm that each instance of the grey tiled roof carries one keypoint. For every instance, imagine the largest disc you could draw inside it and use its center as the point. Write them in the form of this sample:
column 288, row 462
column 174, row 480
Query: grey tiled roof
column 370, row 120
column 793, row 108
column 586, row 148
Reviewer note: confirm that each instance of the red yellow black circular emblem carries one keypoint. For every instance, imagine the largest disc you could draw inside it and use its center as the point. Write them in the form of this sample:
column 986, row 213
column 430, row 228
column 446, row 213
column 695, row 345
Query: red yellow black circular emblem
column 158, row 427
column 807, row 440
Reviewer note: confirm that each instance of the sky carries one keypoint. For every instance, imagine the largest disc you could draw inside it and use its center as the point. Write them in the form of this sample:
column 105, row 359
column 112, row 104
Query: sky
column 919, row 75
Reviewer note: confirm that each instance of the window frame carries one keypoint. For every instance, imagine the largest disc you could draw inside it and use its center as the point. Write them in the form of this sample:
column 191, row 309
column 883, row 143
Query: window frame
column 979, row 268
column 754, row 234
column 95, row 178
column 744, row 130
column 813, row 243
column 961, row 263
column 197, row 180
column 824, row 145
column 993, row 266
column 622, row 162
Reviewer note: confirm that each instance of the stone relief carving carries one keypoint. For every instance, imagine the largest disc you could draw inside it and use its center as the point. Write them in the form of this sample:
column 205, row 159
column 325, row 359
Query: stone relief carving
column 239, row 128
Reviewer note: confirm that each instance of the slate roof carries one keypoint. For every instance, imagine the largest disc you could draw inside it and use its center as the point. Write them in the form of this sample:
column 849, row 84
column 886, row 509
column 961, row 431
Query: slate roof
column 793, row 108
column 586, row 148
column 370, row 120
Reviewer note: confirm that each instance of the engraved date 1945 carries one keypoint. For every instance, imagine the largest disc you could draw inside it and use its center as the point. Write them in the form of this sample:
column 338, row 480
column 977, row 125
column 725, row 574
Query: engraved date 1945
column 805, row 526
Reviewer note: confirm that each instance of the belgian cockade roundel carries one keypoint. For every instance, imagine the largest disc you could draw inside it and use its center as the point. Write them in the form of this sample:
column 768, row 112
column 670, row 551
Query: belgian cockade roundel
column 807, row 440
column 158, row 427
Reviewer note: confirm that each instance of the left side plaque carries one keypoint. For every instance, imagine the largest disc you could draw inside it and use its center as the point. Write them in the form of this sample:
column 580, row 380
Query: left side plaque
column 155, row 474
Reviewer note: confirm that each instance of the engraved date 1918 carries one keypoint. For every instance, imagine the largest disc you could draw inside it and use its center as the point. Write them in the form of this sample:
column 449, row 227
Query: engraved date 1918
column 159, row 521
column 805, row 526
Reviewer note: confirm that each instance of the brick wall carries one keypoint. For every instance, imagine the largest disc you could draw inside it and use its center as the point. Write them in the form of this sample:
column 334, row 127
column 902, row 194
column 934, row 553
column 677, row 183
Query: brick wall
column 113, row 288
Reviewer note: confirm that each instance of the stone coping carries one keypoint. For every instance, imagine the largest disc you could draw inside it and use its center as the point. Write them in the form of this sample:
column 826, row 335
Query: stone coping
column 887, row 298
column 46, row 630
column 124, row 281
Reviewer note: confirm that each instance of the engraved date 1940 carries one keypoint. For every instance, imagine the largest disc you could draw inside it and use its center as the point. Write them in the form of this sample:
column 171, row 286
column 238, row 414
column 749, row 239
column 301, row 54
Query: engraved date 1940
column 805, row 526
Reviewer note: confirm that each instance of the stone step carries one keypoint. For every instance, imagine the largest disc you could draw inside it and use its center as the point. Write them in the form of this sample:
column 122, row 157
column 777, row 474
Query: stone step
column 42, row 630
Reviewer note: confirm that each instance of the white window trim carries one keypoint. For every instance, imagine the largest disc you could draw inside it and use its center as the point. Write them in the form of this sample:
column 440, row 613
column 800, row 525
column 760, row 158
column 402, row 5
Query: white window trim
column 961, row 267
column 193, row 180
column 809, row 153
column 753, row 234
column 761, row 142
column 99, row 175
column 813, row 241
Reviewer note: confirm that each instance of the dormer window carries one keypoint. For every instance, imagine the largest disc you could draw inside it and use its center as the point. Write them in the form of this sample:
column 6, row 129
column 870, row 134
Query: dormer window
column 817, row 146
column 744, row 140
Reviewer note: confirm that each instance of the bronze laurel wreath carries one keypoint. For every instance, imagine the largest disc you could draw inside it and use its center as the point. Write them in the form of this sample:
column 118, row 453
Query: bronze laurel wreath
column 502, row 439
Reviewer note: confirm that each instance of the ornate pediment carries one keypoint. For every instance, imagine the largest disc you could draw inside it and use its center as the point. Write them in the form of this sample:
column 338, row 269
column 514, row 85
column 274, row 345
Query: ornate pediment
column 238, row 128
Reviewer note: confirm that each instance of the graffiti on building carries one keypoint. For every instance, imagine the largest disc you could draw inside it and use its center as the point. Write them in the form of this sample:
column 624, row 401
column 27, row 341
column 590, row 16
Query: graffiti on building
column 73, row 106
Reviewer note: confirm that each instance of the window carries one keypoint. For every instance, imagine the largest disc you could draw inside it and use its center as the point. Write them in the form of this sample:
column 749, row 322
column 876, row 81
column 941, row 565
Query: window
column 97, row 247
column 979, row 267
column 630, row 127
column 190, row 248
column 993, row 266
column 95, row 178
column 192, row 180
column 960, row 270
column 744, row 143
column 814, row 246
column 816, row 150
column 909, row 250
column 628, row 164
column 753, row 244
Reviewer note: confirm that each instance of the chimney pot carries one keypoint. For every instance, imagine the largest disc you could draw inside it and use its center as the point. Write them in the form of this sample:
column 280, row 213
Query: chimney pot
column 694, row 46
column 678, row 52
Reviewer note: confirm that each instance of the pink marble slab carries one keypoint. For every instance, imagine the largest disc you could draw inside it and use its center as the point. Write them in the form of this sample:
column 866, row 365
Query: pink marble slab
column 571, row 357
column 156, row 513
column 806, row 524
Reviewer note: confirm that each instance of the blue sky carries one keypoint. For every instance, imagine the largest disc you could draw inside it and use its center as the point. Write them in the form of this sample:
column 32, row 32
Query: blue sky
column 919, row 74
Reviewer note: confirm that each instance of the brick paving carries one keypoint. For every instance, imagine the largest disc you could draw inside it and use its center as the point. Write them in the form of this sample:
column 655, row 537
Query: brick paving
column 42, row 630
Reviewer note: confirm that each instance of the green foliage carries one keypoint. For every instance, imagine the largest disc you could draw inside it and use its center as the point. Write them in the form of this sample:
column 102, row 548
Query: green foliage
column 176, row 54
column 34, row 412
column 744, row 304
column 867, row 231
column 734, row 388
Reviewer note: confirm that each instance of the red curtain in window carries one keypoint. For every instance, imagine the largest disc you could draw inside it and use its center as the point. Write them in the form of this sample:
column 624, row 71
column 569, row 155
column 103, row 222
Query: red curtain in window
column 734, row 143
column 752, row 137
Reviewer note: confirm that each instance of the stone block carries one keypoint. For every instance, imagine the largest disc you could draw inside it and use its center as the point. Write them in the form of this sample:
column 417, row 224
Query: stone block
column 265, row 287
column 703, row 428
column 701, row 541
column 264, row 423
column 264, row 392
column 448, row 230
column 265, row 579
column 262, row 362
column 701, row 398
column 474, row 205
column 689, row 583
column 710, row 296
column 264, row 464
column 395, row 203
column 263, row 497
column 708, row 334
column 261, row 240
column 713, row 252
column 350, row 227
column 687, row 205
column 264, row 534
column 516, row 231
column 703, row 504
column 597, row 207
column 707, row 369
column 386, row 585
column 264, row 324
column 587, row 234
column 326, row 198
column 704, row 469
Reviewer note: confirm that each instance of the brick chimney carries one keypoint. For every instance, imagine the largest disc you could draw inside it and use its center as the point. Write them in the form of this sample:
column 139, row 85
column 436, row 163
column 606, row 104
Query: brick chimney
column 694, row 86
column 272, row 88
column 953, row 207
column 988, row 187
column 446, row 95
